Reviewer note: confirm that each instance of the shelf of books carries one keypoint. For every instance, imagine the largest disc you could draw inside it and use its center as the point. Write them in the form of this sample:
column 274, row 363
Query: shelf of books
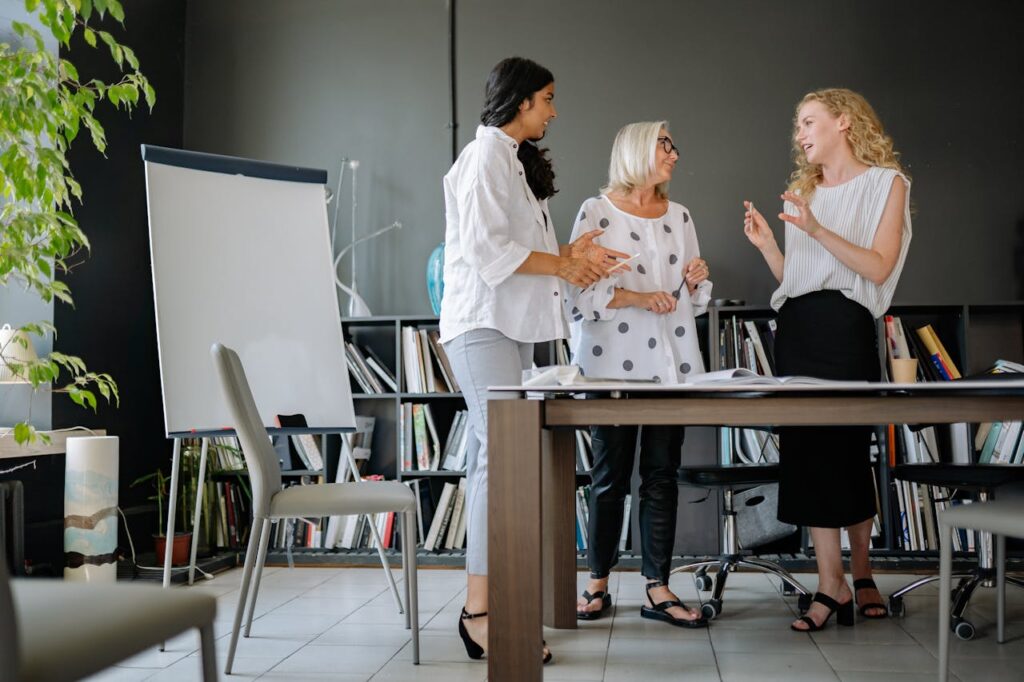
column 948, row 341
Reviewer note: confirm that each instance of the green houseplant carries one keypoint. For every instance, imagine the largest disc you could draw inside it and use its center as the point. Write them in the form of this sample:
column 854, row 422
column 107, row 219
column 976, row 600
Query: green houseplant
column 44, row 105
column 188, row 479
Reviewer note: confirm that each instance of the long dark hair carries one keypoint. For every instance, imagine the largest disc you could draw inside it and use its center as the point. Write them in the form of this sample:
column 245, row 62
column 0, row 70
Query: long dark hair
column 511, row 81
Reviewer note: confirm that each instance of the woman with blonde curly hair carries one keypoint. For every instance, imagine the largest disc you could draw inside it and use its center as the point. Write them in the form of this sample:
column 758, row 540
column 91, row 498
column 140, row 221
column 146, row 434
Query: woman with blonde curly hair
column 847, row 217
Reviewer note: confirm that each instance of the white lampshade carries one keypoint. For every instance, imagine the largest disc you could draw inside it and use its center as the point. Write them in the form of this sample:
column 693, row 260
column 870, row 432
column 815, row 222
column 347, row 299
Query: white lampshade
column 13, row 350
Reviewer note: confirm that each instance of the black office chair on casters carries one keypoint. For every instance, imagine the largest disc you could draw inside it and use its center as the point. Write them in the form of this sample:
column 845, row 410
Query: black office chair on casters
column 983, row 480
column 731, row 478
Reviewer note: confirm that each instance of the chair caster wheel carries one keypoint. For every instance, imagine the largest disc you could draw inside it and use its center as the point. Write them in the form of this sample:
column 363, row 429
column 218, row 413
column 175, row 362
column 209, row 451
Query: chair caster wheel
column 703, row 582
column 962, row 629
column 711, row 608
column 804, row 602
column 897, row 609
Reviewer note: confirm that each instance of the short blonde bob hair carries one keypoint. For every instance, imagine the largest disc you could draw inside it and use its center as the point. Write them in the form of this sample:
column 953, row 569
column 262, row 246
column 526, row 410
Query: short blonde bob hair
column 867, row 139
column 633, row 155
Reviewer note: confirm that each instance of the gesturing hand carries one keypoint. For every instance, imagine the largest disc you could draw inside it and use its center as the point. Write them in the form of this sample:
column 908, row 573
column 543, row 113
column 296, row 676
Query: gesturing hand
column 695, row 272
column 585, row 248
column 658, row 302
column 580, row 272
column 804, row 219
column 756, row 227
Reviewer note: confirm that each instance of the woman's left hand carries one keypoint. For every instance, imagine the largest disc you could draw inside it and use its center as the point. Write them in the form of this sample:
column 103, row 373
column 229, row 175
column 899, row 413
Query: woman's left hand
column 695, row 272
column 805, row 219
column 584, row 247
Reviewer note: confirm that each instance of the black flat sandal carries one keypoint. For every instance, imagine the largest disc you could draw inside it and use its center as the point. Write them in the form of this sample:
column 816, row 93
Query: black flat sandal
column 606, row 604
column 660, row 611
column 474, row 650
column 869, row 584
column 844, row 613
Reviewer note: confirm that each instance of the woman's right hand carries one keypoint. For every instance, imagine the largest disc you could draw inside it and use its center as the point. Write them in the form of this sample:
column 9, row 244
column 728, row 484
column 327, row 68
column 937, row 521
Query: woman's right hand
column 657, row 302
column 756, row 228
column 580, row 272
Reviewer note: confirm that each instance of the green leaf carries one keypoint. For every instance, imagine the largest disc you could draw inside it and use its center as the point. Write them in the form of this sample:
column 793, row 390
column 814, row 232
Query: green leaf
column 86, row 11
column 90, row 36
column 116, row 10
column 22, row 433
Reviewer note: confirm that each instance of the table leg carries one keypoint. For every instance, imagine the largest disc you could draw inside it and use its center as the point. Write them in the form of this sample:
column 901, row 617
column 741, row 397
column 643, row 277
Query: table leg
column 514, row 541
column 559, row 529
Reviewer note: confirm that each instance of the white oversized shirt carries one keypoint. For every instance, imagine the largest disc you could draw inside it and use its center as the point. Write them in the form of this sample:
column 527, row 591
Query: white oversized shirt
column 493, row 222
column 633, row 343
column 853, row 210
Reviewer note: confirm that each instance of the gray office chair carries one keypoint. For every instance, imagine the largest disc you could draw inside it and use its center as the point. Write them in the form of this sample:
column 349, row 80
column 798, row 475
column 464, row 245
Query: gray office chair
column 1001, row 518
column 729, row 477
column 270, row 503
column 51, row 631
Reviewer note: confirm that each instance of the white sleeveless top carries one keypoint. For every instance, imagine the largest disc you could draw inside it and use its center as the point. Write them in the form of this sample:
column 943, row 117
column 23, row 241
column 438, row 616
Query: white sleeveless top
column 852, row 210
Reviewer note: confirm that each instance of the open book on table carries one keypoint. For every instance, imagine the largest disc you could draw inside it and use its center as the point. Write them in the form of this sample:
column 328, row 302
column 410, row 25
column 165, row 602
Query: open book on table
column 745, row 377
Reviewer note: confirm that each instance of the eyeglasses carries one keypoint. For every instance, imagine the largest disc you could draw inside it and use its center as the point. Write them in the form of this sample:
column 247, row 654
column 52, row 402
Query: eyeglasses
column 666, row 144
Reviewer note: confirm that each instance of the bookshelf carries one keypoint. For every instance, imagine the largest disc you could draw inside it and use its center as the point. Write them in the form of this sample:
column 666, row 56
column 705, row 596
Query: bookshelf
column 975, row 336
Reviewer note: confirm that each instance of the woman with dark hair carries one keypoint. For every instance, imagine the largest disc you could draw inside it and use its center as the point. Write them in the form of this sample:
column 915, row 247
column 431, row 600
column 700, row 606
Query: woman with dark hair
column 847, row 216
column 503, row 275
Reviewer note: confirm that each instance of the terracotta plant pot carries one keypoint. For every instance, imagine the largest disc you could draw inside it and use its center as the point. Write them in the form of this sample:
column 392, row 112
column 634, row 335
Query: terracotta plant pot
column 179, row 550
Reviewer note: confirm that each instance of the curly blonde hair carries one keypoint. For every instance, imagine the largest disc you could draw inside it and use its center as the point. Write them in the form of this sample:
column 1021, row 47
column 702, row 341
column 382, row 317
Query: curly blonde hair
column 868, row 141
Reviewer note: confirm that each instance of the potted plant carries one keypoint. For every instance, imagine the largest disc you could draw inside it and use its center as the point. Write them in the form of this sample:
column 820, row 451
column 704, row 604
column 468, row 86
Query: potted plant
column 45, row 105
column 183, row 539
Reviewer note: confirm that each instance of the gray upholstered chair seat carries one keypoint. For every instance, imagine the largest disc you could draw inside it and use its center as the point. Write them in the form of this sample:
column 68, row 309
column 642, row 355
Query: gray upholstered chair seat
column 67, row 631
column 339, row 499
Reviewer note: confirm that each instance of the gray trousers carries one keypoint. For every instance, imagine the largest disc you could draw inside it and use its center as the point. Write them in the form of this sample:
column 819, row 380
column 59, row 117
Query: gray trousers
column 482, row 358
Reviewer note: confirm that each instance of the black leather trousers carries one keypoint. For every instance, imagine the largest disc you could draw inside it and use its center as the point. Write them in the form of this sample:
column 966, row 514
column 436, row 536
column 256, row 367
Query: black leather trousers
column 660, row 453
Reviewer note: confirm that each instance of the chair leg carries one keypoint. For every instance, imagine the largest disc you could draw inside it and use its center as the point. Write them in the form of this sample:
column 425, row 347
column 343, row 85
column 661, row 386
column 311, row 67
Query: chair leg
column 413, row 599
column 403, row 525
column 1000, row 587
column 776, row 570
column 384, row 562
column 261, row 558
column 928, row 579
column 695, row 566
column 243, row 590
column 209, row 653
column 945, row 586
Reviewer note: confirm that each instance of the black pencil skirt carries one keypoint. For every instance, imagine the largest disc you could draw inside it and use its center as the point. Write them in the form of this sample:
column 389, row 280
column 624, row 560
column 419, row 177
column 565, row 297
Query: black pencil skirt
column 825, row 471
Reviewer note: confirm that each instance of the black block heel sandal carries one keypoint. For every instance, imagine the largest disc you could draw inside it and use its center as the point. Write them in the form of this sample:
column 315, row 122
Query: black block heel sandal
column 869, row 584
column 844, row 613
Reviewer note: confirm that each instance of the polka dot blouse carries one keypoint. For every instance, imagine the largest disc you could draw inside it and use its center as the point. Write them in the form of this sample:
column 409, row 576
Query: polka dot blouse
column 633, row 343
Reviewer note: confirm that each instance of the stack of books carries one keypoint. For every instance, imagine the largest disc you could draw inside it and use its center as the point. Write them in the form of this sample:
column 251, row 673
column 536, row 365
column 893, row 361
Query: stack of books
column 447, row 528
column 1001, row 442
column 425, row 366
column 421, row 446
column 370, row 372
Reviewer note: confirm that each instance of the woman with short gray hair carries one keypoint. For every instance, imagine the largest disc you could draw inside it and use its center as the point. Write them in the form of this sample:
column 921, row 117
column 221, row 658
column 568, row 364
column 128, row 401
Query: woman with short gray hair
column 639, row 325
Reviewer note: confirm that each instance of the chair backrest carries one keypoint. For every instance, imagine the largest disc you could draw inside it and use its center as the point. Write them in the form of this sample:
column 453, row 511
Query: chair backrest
column 260, row 457
column 9, row 655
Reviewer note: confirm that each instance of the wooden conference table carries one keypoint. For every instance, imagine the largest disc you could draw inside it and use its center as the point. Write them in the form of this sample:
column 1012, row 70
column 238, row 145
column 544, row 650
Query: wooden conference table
column 531, row 462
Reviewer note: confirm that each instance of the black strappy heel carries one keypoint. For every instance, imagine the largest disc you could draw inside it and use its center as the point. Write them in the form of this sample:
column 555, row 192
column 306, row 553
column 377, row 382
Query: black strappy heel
column 869, row 584
column 474, row 650
column 660, row 610
column 844, row 613
column 606, row 603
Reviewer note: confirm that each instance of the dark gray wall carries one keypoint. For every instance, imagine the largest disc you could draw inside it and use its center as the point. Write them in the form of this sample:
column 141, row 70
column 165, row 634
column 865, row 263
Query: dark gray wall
column 728, row 74
column 312, row 81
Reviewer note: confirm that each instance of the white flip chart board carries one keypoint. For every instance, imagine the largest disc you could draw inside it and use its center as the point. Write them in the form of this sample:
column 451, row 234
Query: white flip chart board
column 241, row 255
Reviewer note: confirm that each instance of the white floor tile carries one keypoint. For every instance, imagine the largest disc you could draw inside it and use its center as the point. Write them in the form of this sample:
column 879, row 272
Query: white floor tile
column 758, row 667
column 339, row 658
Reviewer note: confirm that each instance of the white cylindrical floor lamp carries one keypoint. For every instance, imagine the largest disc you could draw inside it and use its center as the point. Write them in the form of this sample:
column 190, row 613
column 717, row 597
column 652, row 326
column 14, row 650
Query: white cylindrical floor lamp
column 90, row 509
